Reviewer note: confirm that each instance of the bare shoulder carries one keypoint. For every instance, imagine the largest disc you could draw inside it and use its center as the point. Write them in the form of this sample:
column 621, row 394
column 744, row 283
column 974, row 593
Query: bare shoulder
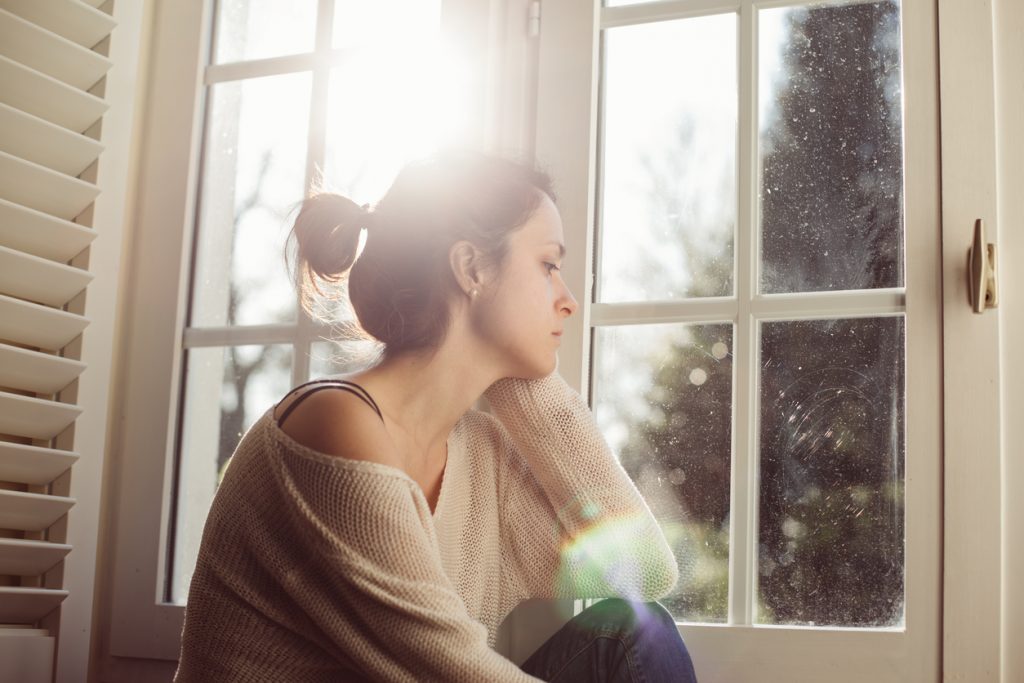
column 336, row 422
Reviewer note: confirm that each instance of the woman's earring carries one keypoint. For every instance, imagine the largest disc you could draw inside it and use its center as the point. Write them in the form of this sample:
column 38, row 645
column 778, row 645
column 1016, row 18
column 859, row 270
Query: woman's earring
column 473, row 292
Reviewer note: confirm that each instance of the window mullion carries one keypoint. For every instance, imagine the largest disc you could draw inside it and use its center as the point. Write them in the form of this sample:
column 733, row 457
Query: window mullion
column 743, row 496
column 315, row 153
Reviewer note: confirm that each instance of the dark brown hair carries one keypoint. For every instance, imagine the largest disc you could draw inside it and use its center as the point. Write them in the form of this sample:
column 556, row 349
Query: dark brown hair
column 401, row 283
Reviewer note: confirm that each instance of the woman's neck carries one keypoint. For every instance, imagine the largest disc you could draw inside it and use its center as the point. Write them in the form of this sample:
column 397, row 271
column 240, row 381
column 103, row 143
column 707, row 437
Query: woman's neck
column 423, row 395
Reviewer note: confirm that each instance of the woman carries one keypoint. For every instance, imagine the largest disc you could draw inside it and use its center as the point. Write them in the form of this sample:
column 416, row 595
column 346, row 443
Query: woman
column 378, row 528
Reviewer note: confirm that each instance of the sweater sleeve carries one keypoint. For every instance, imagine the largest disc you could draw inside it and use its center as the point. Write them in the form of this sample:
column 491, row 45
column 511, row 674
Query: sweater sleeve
column 576, row 524
column 367, row 573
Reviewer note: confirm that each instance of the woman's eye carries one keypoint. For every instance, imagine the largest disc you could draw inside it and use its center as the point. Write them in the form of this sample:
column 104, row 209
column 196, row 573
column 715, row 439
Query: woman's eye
column 550, row 266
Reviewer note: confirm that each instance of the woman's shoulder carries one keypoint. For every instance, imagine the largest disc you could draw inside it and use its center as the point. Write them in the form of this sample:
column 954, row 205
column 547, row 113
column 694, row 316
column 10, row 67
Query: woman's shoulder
column 336, row 420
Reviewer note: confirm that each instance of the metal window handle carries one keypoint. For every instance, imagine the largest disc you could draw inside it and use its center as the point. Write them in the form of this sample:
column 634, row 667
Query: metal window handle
column 982, row 287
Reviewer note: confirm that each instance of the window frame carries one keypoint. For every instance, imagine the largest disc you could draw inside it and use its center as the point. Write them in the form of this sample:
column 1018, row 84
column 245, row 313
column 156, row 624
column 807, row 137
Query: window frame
column 569, row 94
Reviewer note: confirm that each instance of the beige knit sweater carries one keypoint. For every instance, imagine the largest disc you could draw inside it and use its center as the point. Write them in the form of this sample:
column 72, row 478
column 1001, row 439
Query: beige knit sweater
column 318, row 568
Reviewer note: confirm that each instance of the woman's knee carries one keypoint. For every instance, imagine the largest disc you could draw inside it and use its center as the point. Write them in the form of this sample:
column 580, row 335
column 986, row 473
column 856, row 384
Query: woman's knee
column 628, row 616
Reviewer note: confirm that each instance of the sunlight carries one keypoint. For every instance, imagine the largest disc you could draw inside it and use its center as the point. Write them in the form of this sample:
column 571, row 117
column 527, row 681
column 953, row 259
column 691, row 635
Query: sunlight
column 392, row 100
column 390, row 103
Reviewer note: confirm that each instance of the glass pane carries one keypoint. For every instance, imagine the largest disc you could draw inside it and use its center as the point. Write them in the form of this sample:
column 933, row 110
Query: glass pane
column 668, row 160
column 360, row 23
column 386, row 107
column 226, row 390
column 332, row 358
column 831, row 148
column 257, row 29
column 832, row 448
column 254, row 167
column 669, row 420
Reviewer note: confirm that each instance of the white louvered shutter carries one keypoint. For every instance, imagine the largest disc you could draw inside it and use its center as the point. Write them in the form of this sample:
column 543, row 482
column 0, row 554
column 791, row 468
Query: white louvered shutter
column 51, row 103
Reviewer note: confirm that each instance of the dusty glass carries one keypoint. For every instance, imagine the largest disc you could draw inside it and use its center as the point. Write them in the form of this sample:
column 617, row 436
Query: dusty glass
column 662, row 396
column 831, row 148
column 254, row 167
column 667, row 205
column 258, row 29
column 831, row 512
column 226, row 390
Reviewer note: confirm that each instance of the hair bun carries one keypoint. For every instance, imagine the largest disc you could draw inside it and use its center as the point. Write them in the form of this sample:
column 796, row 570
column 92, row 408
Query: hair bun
column 327, row 232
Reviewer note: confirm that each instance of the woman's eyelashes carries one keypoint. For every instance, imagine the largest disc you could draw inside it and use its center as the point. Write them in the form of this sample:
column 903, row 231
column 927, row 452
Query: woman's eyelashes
column 551, row 266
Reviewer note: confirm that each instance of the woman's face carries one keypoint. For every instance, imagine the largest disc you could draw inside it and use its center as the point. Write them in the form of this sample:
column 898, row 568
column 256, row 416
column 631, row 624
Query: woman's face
column 521, row 315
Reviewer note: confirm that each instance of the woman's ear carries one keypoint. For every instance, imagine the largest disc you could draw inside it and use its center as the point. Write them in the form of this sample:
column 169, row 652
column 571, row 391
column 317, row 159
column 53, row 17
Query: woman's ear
column 467, row 265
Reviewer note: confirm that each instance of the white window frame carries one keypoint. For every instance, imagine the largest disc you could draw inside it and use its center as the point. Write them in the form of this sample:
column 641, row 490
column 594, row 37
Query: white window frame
column 567, row 141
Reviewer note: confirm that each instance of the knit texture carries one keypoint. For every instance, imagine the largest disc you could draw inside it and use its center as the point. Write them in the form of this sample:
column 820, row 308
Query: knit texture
column 320, row 568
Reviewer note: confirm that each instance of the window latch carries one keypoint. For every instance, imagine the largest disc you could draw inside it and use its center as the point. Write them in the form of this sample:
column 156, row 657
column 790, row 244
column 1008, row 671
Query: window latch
column 982, row 285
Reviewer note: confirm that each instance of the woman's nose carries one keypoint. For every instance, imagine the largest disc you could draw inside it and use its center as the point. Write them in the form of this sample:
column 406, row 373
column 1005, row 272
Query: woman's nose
column 567, row 304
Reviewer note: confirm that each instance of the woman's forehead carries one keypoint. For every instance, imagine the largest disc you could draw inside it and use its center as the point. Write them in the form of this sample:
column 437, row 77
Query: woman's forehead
column 544, row 227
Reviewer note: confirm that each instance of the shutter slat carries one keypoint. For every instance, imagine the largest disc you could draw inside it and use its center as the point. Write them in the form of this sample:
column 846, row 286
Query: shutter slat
column 27, row 605
column 37, row 372
column 35, row 418
column 24, row 322
column 38, row 279
column 43, row 189
column 49, row 53
column 35, row 465
column 47, row 144
column 20, row 557
column 46, row 97
column 40, row 234
column 31, row 511
column 26, row 655
column 74, row 20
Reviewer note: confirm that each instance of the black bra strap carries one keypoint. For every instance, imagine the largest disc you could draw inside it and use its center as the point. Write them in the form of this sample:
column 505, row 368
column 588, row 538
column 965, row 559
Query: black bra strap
column 344, row 385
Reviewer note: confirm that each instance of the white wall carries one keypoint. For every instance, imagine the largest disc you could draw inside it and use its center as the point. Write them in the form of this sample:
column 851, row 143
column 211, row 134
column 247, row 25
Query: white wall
column 1009, row 60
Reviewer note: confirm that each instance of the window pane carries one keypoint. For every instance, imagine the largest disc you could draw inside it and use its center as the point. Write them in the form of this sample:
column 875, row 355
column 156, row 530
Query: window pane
column 226, row 390
column 399, row 22
column 831, row 148
column 663, row 398
column 832, row 448
column 387, row 106
column 330, row 358
column 254, row 167
column 668, row 160
column 257, row 29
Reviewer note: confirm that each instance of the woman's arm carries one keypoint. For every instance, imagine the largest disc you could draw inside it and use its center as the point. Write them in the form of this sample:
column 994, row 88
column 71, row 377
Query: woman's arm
column 575, row 522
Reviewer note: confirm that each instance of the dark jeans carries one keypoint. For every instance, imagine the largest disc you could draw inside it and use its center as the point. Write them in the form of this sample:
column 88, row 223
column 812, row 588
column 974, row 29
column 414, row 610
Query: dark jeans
column 615, row 640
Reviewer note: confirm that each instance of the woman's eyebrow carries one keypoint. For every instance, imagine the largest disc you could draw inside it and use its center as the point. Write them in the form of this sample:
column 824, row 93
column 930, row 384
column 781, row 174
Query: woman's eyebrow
column 561, row 248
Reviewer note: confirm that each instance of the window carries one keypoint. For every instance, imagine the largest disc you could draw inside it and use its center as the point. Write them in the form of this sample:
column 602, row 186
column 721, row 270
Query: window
column 748, row 317
column 298, row 95
column 829, row 209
